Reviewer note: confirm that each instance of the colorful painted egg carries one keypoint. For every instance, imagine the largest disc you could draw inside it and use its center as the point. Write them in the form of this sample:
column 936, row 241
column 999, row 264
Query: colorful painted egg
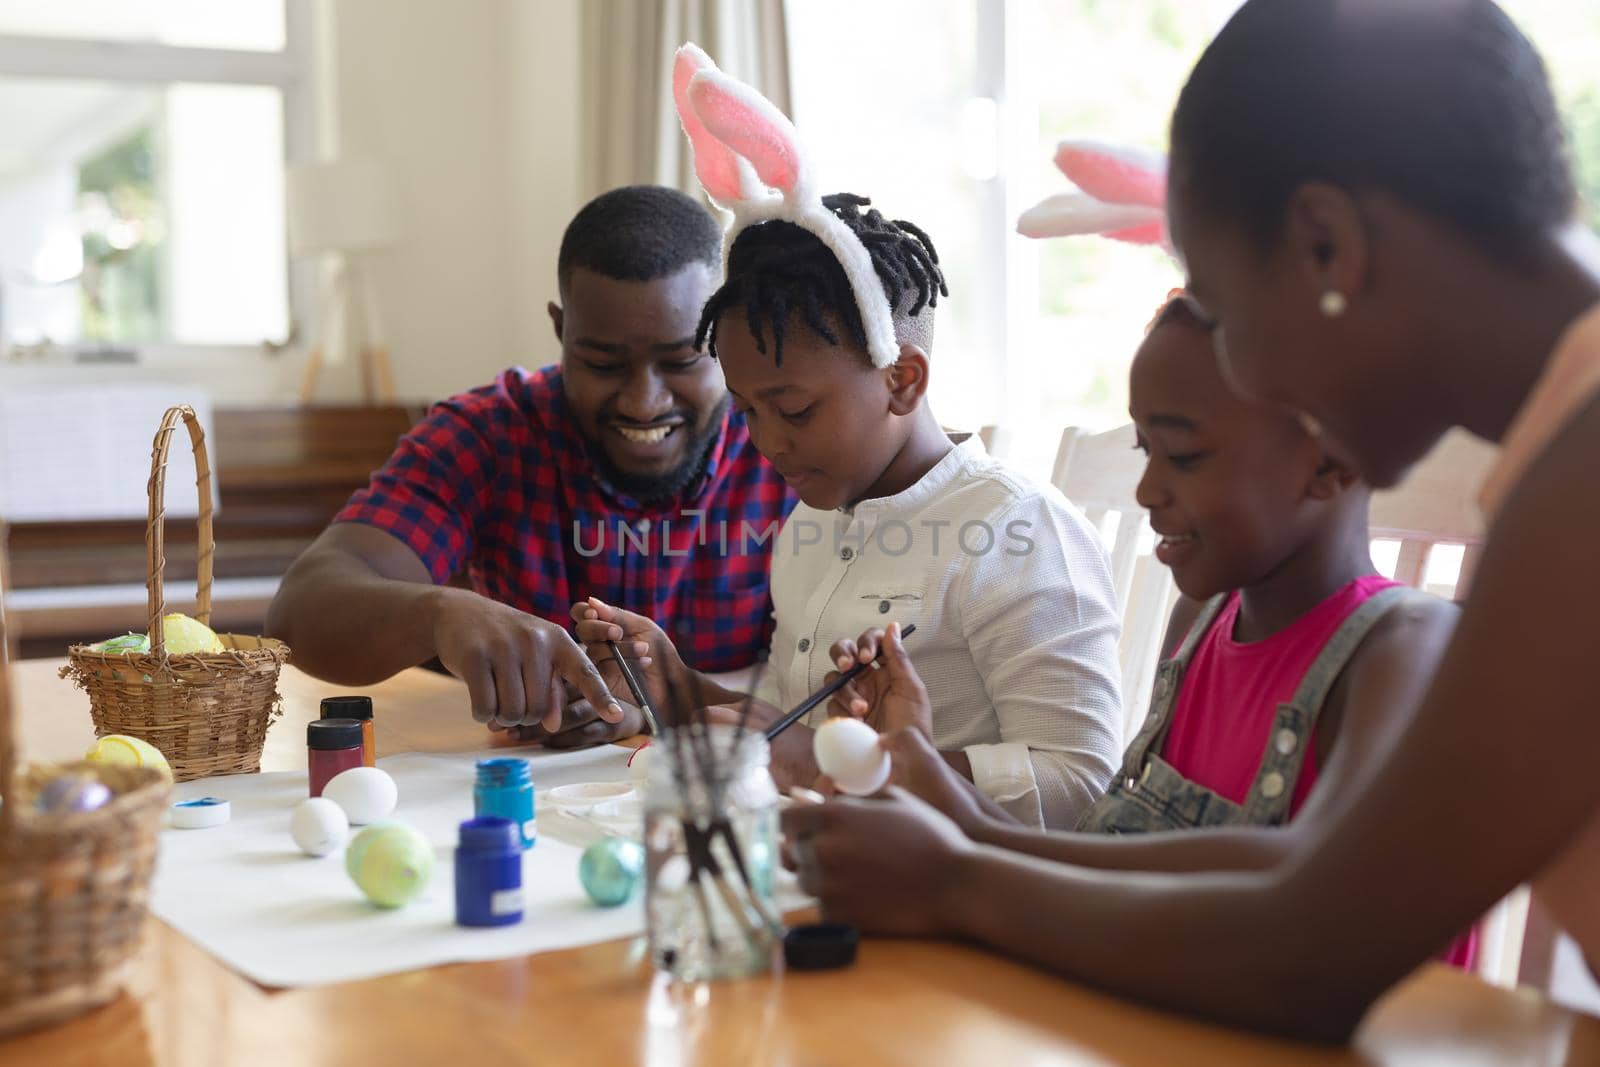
column 390, row 862
column 610, row 870
column 73, row 792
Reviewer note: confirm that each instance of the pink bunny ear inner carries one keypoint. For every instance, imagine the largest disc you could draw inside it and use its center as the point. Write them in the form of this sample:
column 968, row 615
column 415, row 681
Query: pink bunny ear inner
column 714, row 163
column 1116, row 174
column 748, row 123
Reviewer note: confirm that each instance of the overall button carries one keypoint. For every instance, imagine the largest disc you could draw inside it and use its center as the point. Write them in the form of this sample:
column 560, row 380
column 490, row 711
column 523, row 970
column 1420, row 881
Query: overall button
column 805, row 644
column 1272, row 785
column 883, row 607
column 847, row 554
column 1286, row 741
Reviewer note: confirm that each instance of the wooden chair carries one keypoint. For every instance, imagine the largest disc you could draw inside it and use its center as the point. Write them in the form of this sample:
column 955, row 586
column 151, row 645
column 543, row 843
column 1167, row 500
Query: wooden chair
column 1435, row 506
column 1099, row 473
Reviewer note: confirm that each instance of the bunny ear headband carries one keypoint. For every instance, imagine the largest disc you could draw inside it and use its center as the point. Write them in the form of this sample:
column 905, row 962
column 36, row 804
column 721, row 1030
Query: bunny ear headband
column 748, row 156
column 1123, row 195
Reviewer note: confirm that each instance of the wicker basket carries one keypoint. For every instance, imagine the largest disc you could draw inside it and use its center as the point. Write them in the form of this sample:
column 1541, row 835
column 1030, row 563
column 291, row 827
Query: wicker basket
column 72, row 886
column 208, row 713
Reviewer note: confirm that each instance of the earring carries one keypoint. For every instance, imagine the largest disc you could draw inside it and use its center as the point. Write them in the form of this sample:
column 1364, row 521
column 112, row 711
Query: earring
column 1333, row 303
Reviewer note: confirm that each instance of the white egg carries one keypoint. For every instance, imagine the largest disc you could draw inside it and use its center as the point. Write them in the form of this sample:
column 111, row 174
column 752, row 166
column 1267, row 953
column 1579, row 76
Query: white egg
column 366, row 794
column 847, row 751
column 319, row 826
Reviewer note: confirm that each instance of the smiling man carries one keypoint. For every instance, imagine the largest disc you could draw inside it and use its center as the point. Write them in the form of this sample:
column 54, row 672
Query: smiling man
column 620, row 473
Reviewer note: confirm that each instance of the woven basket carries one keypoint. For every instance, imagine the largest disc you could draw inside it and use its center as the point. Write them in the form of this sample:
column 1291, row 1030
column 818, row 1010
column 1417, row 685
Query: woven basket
column 73, row 886
column 208, row 713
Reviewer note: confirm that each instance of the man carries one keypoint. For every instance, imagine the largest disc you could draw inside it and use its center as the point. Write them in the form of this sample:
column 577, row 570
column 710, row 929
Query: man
column 619, row 474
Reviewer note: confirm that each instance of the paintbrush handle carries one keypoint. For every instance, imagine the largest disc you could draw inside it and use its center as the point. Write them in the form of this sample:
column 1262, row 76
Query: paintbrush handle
column 828, row 690
column 640, row 697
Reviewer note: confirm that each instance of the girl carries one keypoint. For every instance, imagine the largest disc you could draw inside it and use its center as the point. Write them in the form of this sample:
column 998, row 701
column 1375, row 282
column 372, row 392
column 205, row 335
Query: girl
column 1283, row 620
column 1390, row 273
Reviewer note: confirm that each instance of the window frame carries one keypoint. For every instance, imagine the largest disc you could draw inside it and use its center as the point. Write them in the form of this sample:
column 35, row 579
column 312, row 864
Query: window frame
column 151, row 63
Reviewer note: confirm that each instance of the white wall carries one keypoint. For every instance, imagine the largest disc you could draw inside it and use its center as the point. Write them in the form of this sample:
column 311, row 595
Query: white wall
column 546, row 188
column 474, row 105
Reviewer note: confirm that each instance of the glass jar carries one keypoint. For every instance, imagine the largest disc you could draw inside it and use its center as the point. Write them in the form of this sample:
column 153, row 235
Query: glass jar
column 724, row 923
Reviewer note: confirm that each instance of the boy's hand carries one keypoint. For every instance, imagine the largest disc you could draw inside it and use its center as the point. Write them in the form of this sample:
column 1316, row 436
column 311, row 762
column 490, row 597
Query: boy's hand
column 890, row 698
column 793, row 763
column 889, row 863
column 581, row 726
column 652, row 651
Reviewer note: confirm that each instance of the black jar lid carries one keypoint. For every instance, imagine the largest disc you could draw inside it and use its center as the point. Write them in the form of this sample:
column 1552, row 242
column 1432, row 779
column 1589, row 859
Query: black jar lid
column 820, row 946
column 346, row 707
column 325, row 734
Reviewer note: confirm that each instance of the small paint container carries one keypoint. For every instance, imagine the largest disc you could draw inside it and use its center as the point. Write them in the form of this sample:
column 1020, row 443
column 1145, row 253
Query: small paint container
column 358, row 708
column 201, row 813
column 488, row 873
column 504, row 788
column 332, row 746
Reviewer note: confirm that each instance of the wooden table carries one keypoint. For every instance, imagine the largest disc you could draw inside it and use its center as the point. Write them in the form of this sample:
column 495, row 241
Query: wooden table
column 905, row 1002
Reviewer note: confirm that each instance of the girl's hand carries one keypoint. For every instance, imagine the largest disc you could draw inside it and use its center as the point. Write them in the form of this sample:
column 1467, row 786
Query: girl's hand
column 653, row 653
column 919, row 769
column 889, row 698
column 890, row 864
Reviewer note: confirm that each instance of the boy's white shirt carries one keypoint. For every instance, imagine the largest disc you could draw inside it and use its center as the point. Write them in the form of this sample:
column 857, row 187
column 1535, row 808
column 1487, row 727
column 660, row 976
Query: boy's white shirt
column 1017, row 646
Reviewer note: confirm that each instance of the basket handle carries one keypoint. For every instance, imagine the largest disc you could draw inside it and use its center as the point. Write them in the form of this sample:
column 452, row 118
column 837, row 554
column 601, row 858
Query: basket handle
column 8, row 727
column 155, row 548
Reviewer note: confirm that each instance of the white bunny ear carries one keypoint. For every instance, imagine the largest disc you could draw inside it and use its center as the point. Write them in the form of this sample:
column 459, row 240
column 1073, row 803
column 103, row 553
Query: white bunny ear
column 1071, row 214
column 718, row 169
column 749, row 123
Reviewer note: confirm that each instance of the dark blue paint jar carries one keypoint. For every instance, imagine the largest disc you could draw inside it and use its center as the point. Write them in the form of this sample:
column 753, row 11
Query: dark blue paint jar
column 505, row 788
column 488, row 873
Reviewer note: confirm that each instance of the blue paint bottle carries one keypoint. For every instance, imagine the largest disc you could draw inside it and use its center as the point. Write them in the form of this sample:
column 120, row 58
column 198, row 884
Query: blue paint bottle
column 505, row 788
column 488, row 873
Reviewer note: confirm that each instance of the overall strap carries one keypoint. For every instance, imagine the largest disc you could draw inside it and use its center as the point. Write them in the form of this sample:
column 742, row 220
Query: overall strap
column 1164, row 694
column 1295, row 723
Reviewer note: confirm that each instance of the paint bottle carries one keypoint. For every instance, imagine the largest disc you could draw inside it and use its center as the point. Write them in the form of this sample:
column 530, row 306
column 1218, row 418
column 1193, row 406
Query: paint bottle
column 360, row 709
column 332, row 745
column 488, row 872
column 505, row 788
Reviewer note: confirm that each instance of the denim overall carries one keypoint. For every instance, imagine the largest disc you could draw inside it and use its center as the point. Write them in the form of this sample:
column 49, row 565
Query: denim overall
column 1149, row 795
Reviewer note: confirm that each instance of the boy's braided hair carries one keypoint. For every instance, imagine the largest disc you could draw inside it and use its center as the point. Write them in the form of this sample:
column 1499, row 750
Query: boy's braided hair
column 776, row 269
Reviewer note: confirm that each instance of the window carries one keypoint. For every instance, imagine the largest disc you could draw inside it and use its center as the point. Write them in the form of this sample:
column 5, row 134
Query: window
column 948, row 112
column 141, row 175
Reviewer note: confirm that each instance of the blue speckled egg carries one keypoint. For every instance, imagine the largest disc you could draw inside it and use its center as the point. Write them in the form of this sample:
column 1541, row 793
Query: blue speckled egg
column 610, row 870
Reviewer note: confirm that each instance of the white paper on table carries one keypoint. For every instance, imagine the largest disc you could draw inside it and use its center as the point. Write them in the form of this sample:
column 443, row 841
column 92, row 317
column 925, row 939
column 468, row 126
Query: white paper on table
column 245, row 893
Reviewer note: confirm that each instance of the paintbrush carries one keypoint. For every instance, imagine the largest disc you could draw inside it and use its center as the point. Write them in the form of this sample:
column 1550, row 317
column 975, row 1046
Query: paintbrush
column 828, row 690
column 640, row 697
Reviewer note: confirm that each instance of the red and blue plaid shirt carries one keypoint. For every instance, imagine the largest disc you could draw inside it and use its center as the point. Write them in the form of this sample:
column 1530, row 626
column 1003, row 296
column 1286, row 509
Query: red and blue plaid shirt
column 500, row 481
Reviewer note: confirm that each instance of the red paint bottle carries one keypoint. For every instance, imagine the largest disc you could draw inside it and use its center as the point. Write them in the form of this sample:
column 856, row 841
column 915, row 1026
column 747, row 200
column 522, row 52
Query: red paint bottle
column 332, row 745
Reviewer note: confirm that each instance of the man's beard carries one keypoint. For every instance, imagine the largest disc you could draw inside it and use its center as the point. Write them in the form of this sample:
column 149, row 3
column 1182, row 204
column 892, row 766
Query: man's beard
column 654, row 488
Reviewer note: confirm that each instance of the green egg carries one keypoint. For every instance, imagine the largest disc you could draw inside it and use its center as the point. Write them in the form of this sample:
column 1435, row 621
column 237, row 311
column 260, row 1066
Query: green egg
column 610, row 870
column 390, row 862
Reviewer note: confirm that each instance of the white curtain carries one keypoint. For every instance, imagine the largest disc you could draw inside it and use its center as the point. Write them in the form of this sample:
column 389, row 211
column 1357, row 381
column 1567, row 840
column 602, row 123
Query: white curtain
column 631, row 130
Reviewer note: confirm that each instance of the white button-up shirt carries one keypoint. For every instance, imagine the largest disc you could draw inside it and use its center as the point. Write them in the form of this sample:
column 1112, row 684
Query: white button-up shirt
column 1017, row 624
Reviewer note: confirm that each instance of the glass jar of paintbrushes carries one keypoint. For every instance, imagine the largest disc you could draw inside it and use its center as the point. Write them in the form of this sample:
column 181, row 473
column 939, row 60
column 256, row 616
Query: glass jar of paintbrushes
column 711, row 842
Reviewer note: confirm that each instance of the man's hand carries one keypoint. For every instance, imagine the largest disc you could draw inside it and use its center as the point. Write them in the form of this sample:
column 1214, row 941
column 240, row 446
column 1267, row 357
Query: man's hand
column 514, row 663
